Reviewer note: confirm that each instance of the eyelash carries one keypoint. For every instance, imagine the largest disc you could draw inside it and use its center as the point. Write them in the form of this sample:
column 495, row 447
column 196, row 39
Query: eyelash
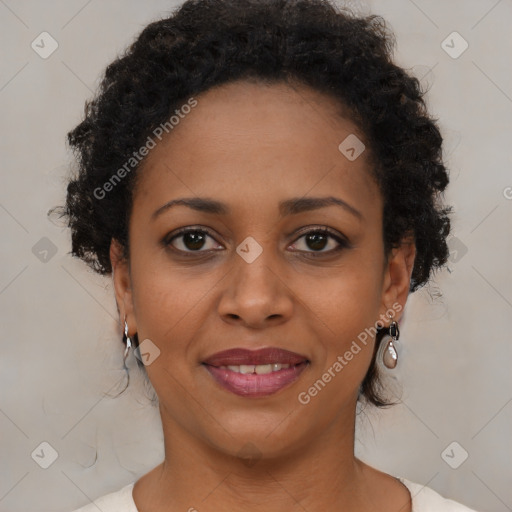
column 343, row 243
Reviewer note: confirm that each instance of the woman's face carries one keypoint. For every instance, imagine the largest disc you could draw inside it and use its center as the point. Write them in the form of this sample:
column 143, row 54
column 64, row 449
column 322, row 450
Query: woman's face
column 250, row 277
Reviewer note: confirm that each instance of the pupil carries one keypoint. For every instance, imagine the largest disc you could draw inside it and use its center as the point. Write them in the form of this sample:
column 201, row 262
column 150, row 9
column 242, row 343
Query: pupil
column 193, row 240
column 316, row 238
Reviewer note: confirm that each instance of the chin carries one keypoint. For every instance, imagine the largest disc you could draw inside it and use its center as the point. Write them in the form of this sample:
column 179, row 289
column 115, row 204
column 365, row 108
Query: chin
column 258, row 438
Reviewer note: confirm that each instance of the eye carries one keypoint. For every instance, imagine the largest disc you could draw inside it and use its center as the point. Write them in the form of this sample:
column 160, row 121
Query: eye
column 190, row 240
column 318, row 240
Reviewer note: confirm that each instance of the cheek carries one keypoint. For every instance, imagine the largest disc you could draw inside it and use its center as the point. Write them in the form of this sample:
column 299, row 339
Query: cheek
column 166, row 303
column 343, row 312
column 346, row 340
column 157, row 293
column 170, row 312
column 344, row 303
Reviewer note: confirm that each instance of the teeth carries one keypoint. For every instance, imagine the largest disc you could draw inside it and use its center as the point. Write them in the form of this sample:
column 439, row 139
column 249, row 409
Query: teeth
column 260, row 369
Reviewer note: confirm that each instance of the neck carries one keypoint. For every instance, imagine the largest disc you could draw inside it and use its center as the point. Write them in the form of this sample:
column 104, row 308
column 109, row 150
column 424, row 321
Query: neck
column 320, row 474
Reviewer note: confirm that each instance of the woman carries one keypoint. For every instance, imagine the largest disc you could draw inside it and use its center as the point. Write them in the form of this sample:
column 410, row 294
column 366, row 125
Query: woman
column 263, row 183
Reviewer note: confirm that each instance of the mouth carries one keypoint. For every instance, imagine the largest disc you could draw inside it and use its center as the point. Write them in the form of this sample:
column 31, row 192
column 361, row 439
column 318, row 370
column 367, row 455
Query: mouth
column 255, row 373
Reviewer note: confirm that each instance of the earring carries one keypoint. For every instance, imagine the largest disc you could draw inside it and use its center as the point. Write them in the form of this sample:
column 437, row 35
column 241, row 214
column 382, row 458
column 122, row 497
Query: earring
column 128, row 342
column 390, row 356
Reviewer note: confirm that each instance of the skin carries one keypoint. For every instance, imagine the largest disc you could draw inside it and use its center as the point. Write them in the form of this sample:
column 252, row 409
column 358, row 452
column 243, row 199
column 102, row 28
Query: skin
column 251, row 146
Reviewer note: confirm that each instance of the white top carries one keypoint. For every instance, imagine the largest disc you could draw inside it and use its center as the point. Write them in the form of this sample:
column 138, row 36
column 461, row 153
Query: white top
column 424, row 499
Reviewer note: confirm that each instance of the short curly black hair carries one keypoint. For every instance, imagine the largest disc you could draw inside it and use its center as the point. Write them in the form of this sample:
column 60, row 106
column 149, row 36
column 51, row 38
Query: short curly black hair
column 318, row 43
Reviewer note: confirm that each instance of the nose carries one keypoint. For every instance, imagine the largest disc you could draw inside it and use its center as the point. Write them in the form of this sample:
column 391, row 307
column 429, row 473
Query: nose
column 256, row 294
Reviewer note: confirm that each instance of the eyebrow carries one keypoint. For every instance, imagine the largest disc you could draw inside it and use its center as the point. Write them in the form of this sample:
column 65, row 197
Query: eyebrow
column 292, row 206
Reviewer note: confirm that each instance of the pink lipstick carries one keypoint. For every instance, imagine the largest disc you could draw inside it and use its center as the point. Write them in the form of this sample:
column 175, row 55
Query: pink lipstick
column 255, row 373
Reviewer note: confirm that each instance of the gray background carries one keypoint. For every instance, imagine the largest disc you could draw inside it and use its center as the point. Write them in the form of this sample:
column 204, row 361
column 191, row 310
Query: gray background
column 61, row 351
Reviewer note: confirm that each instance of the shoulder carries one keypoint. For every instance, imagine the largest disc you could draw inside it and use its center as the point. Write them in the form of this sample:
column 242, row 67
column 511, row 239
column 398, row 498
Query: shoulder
column 425, row 499
column 118, row 501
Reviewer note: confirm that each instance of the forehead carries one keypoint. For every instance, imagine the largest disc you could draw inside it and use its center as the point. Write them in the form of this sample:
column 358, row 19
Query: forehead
column 249, row 140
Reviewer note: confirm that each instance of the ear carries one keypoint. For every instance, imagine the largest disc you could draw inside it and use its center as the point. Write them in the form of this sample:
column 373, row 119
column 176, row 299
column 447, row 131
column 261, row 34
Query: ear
column 397, row 278
column 122, row 284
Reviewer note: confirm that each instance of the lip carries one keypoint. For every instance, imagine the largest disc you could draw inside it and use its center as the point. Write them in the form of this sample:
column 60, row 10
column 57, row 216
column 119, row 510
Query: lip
column 252, row 384
column 238, row 356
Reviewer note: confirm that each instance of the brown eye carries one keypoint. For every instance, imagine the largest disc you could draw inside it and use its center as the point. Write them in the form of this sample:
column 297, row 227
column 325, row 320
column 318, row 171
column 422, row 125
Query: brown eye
column 191, row 240
column 318, row 239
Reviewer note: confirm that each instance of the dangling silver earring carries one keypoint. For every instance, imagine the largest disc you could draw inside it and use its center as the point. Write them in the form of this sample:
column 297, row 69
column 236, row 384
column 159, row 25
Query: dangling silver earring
column 128, row 341
column 390, row 356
